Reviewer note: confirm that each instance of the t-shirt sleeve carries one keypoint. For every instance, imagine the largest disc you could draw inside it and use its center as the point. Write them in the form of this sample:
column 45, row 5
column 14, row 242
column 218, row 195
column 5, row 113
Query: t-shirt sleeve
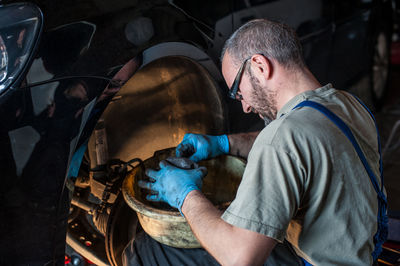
column 269, row 194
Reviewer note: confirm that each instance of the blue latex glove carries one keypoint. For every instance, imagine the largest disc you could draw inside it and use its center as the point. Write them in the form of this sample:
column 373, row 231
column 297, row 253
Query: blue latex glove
column 172, row 184
column 200, row 147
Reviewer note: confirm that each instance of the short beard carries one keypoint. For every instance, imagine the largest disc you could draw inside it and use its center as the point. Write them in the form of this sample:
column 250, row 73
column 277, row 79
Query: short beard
column 263, row 100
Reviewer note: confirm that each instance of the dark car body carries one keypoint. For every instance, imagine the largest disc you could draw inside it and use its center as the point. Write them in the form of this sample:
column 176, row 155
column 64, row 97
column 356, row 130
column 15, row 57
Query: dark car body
column 42, row 127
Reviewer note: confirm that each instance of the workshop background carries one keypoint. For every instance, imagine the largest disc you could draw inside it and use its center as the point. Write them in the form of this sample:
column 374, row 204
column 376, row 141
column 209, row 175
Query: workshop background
column 167, row 50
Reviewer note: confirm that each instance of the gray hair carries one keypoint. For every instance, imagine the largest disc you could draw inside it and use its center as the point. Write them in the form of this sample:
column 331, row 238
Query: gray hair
column 272, row 39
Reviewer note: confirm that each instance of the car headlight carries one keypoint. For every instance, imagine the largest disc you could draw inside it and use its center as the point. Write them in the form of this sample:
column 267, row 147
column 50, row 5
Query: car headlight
column 3, row 61
column 20, row 27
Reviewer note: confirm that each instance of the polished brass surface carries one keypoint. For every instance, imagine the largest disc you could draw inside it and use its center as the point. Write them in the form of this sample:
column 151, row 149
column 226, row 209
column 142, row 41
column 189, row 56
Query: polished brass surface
column 164, row 223
column 158, row 105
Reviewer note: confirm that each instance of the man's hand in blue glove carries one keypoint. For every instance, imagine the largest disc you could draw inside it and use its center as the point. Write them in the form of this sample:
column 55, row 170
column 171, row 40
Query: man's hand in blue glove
column 172, row 184
column 200, row 147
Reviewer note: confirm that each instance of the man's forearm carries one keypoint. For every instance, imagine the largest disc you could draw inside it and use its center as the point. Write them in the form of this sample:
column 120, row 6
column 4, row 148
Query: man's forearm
column 228, row 244
column 240, row 144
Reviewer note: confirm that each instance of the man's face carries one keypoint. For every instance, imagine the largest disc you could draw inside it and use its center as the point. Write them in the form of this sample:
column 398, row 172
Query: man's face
column 255, row 97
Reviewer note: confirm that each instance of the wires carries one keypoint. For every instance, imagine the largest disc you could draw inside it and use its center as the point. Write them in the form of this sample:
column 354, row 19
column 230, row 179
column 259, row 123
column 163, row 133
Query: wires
column 113, row 82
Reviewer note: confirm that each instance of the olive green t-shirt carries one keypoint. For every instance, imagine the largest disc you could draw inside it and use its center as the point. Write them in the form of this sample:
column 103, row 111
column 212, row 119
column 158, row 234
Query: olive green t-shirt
column 305, row 182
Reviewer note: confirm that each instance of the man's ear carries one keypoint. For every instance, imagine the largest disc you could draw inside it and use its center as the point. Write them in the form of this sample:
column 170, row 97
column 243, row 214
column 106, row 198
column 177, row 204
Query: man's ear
column 262, row 66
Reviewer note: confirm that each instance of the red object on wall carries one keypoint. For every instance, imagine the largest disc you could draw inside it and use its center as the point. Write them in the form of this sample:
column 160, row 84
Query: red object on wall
column 67, row 260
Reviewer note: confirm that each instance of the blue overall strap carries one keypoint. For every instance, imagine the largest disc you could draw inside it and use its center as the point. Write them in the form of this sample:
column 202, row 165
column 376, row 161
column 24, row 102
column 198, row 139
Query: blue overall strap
column 382, row 232
column 379, row 139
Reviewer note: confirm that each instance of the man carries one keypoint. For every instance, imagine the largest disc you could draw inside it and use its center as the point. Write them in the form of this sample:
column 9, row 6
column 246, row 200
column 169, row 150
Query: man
column 304, row 181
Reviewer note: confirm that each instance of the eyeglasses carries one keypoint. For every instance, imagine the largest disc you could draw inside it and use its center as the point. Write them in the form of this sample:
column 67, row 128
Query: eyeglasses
column 234, row 89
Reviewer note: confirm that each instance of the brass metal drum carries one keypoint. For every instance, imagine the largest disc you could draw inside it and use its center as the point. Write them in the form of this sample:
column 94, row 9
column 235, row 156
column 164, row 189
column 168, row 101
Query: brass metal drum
column 164, row 223
column 158, row 105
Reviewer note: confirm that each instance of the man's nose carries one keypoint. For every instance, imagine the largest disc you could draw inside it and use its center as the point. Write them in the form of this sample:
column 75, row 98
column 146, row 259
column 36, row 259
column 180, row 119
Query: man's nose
column 246, row 107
